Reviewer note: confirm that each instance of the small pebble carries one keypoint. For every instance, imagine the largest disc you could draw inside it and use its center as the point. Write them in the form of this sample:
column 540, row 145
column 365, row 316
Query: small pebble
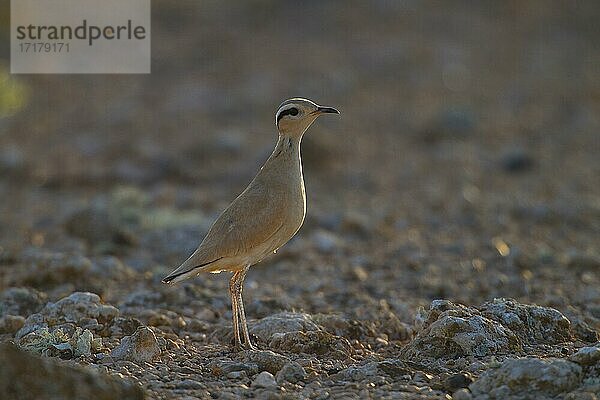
column 291, row 372
column 516, row 160
column 457, row 381
column 237, row 375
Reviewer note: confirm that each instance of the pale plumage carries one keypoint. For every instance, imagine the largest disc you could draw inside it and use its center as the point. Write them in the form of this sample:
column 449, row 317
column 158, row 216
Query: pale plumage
column 265, row 216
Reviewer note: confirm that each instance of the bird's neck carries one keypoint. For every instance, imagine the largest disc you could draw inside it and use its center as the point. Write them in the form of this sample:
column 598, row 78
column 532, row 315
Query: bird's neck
column 284, row 164
column 287, row 146
column 283, row 169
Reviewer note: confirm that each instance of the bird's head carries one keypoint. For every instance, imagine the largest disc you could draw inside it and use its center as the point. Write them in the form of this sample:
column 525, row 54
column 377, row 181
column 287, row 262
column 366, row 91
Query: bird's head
column 294, row 116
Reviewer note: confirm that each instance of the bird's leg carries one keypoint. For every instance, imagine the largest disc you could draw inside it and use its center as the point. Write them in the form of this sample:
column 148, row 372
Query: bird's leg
column 243, row 322
column 235, row 309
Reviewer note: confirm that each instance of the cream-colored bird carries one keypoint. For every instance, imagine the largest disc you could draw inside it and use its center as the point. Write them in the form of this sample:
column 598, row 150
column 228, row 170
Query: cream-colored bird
column 264, row 217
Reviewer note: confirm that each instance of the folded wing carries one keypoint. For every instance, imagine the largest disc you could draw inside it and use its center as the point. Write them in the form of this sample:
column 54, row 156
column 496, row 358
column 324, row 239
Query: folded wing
column 253, row 218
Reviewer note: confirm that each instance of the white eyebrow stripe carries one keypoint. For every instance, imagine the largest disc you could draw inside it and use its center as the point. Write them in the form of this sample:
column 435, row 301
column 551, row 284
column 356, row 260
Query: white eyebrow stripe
column 284, row 112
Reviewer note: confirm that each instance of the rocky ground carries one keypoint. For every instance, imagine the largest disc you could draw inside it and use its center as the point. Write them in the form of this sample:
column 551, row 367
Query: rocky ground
column 451, row 243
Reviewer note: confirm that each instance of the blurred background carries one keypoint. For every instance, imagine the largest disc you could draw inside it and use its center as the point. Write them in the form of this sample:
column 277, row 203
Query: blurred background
column 464, row 165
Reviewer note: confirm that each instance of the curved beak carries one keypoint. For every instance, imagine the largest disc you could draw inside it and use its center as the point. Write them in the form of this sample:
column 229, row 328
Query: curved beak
column 327, row 110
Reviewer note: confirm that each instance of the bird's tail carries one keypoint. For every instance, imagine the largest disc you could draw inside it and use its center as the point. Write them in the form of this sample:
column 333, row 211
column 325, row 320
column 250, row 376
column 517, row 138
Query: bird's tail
column 188, row 269
column 178, row 276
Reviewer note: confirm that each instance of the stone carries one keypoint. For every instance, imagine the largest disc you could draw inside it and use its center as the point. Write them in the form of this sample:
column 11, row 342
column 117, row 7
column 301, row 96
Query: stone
column 61, row 350
column 516, row 160
column 100, row 226
column 265, row 306
column 282, row 323
column 77, row 307
column 83, row 343
column 226, row 367
column 21, row 301
column 449, row 330
column 526, row 378
column 291, row 372
column 374, row 371
column 158, row 319
column 266, row 360
column 11, row 323
column 57, row 343
column 393, row 368
column 47, row 269
column 33, row 323
column 531, row 323
column 587, row 395
column 462, row 394
column 80, row 309
column 395, row 329
column 124, row 326
column 189, row 384
column 32, row 377
column 357, row 224
column 357, row 373
column 452, row 330
column 457, row 381
column 586, row 356
column 140, row 347
column 237, row 375
column 340, row 326
column 326, row 242
column 109, row 267
column 312, row 342
column 264, row 380
column 143, row 298
column 583, row 331
column 45, row 342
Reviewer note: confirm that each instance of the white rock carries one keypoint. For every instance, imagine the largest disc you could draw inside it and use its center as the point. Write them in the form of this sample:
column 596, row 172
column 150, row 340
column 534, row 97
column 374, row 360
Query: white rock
column 237, row 375
column 586, row 356
column 140, row 347
column 282, row 323
column 531, row 377
column 79, row 305
column 264, row 380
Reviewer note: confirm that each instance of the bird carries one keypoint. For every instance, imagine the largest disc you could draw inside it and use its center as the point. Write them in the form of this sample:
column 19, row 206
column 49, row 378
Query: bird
column 264, row 217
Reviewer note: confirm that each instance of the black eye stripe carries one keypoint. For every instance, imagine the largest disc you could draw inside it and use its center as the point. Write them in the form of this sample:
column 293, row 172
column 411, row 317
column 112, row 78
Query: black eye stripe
column 293, row 111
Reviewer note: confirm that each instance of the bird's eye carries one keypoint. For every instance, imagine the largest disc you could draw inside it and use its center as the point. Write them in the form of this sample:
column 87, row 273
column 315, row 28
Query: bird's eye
column 293, row 112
